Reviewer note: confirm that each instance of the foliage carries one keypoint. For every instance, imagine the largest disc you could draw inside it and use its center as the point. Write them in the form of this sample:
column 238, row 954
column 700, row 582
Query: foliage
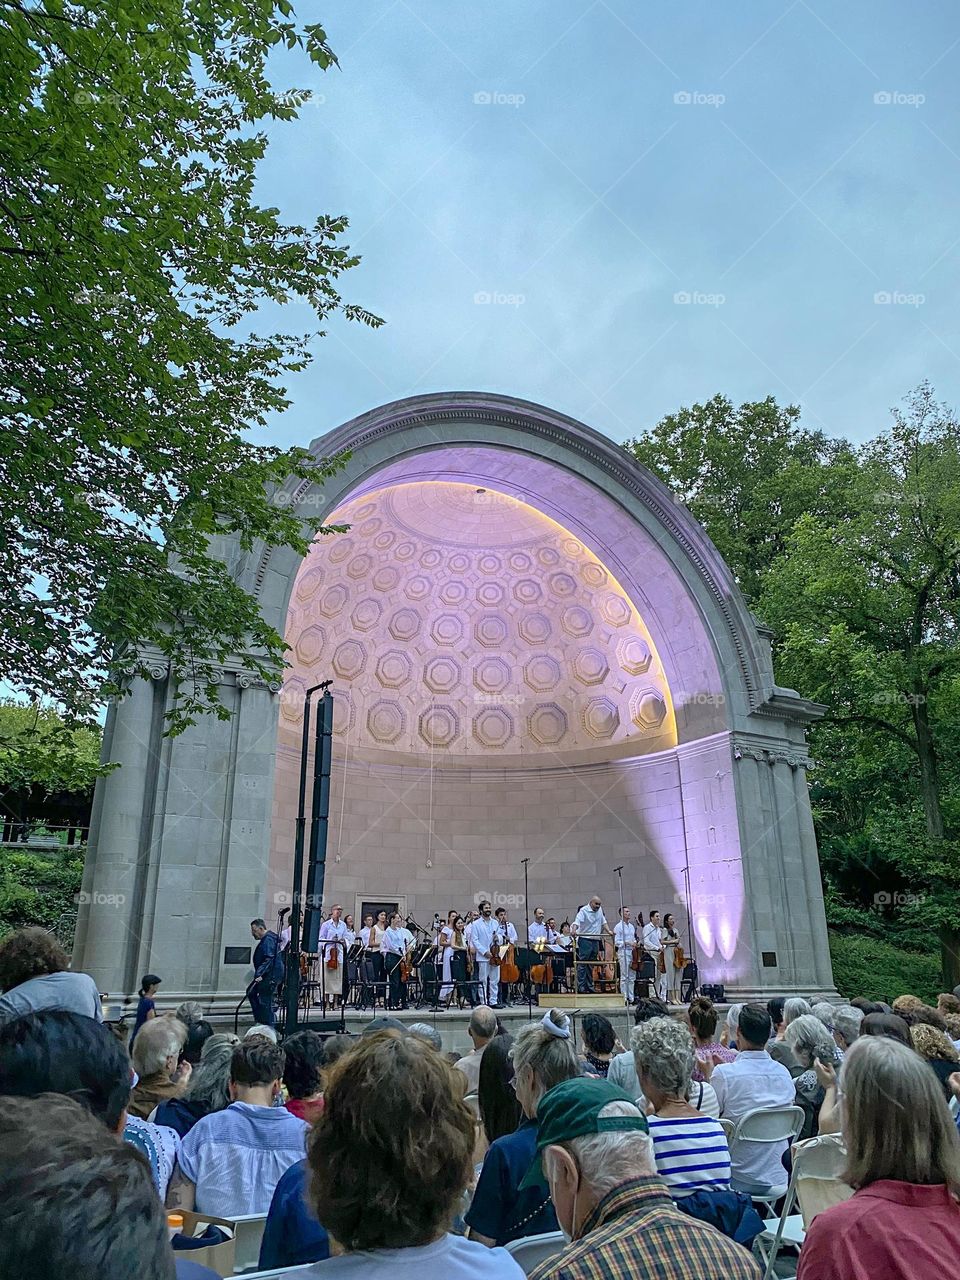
column 39, row 750
column 876, row 970
column 37, row 889
column 132, row 255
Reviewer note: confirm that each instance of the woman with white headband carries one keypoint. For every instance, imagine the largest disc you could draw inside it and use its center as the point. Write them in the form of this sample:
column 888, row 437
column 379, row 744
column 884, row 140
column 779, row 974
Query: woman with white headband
column 543, row 1054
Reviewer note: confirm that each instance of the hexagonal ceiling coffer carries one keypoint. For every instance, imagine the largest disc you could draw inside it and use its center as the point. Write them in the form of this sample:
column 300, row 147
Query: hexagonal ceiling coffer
column 342, row 549
column 577, row 621
column 542, row 672
column 404, row 624
column 490, row 631
column 386, row 579
column 590, row 666
column 634, row 655
column 310, row 583
column 527, row 591
column 492, row 727
column 386, row 721
column 310, row 644
column 438, row 725
column 453, row 592
column 349, row 659
column 489, row 563
column 534, row 628
column 563, row 585
column 447, row 628
column 442, row 674
column 648, row 708
column 594, row 575
column 366, row 614
column 418, row 587
column 547, row 724
column 616, row 610
column 333, row 600
column 491, row 675
column 394, row 668
column 600, row 718
column 490, row 594
column 360, row 567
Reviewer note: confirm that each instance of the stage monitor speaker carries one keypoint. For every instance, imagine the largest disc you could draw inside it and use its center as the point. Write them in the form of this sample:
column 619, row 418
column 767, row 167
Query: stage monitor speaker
column 714, row 991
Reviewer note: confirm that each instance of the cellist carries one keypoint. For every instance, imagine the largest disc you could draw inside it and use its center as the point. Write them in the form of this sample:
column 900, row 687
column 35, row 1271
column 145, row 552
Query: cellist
column 332, row 955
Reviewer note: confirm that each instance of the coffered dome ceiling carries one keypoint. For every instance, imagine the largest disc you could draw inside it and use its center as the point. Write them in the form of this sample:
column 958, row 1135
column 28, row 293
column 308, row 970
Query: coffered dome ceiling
column 463, row 625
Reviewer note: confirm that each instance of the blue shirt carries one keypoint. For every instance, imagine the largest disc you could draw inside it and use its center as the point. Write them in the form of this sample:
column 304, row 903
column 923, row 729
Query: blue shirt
column 292, row 1236
column 144, row 1008
column 500, row 1210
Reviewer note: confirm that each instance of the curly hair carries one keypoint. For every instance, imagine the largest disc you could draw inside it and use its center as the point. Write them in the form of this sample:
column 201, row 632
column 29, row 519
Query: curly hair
column 931, row 1042
column 663, row 1051
column 30, row 953
column 363, row 1186
column 301, row 1071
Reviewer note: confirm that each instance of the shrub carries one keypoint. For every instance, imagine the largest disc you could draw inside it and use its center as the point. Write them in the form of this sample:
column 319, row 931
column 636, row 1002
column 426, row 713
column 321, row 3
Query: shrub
column 870, row 967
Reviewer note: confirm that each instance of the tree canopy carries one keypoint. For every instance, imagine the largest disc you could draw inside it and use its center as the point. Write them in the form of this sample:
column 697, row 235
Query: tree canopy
column 133, row 254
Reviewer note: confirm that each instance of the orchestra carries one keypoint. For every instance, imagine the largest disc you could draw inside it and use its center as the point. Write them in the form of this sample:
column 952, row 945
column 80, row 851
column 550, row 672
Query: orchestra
column 479, row 958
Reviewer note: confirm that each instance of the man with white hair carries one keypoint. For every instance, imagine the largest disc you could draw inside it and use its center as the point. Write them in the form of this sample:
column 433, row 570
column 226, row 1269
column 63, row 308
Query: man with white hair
column 846, row 1025
column 595, row 1154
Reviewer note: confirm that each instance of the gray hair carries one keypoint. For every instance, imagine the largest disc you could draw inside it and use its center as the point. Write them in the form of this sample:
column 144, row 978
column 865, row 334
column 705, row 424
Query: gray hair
column 210, row 1080
column 483, row 1022
column 426, row 1032
column 826, row 1012
column 607, row 1160
column 809, row 1039
column 663, row 1050
column 552, row 1059
column 733, row 1018
column 846, row 1022
column 189, row 1012
column 261, row 1029
column 795, row 1007
column 157, row 1040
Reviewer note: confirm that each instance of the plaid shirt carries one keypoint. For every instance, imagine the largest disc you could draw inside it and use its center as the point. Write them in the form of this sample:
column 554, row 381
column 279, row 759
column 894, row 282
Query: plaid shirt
column 637, row 1233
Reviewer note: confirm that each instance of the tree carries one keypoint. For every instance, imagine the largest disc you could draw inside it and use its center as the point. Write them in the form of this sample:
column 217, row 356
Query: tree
column 747, row 474
column 40, row 754
column 133, row 254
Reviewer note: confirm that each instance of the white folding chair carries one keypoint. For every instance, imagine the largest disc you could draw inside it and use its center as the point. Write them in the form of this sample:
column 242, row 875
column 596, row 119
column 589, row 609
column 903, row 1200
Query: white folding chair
column 529, row 1252
column 473, row 1102
column 954, row 1106
column 765, row 1125
column 816, row 1185
column 248, row 1236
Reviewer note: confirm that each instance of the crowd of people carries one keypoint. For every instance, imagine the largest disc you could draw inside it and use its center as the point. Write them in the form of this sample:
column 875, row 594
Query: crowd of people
column 382, row 1154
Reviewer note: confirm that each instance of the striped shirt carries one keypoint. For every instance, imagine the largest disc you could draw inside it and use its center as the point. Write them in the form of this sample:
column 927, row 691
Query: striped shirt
column 691, row 1154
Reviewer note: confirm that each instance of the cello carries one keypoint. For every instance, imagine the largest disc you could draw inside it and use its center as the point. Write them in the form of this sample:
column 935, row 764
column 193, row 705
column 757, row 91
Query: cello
column 606, row 972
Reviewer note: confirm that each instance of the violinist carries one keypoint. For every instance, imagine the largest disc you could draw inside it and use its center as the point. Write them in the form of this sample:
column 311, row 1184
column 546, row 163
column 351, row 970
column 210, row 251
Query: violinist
column 560, row 942
column 333, row 932
column 673, row 959
column 509, row 932
column 485, row 938
column 653, row 946
column 393, row 948
column 625, row 939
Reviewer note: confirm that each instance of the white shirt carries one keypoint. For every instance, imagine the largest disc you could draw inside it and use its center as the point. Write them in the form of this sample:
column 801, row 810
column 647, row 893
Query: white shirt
column 512, row 935
column 754, row 1080
column 560, row 942
column 236, row 1157
column 624, row 935
column 331, row 931
column 623, row 1072
column 537, row 932
column 480, row 935
column 651, row 938
column 393, row 942
column 590, row 923
column 449, row 1258
column 74, row 992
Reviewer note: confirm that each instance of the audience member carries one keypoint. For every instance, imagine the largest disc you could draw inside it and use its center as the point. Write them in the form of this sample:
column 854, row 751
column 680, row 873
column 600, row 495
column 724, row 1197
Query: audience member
column 428, row 1033
column 387, row 1192
column 146, row 1005
column 303, row 1074
column 75, row 1202
column 890, row 1025
column 903, row 1159
column 55, row 1051
column 824, row 1010
column 481, row 1029
column 189, row 1012
column 543, row 1055
column 198, row 1033
column 947, row 1003
column 810, row 1040
column 846, row 1025
column 500, row 1110
column 596, row 1156
column 777, row 1046
column 754, row 1080
column 728, row 1036
column 156, row 1060
column 35, row 974
column 937, row 1050
column 598, row 1040
column 953, row 1028
column 907, row 1004
column 868, row 1006
column 703, row 1018
column 623, row 1069
column 260, row 1030
column 231, row 1161
column 208, row 1089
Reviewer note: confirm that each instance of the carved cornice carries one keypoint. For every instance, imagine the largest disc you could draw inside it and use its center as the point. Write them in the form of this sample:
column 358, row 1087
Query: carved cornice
column 771, row 755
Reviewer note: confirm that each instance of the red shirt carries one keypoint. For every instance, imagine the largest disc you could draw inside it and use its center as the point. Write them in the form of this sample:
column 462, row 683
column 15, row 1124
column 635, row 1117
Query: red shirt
column 305, row 1108
column 893, row 1230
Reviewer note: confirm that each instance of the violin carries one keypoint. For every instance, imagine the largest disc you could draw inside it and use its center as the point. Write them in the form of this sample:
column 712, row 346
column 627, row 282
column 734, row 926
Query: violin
column 333, row 957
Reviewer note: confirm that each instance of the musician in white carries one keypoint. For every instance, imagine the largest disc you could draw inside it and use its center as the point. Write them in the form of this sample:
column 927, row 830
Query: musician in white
column 589, row 927
column 653, row 946
column 445, row 944
column 537, row 930
column 393, row 947
column 625, row 939
column 481, row 935
column 332, row 959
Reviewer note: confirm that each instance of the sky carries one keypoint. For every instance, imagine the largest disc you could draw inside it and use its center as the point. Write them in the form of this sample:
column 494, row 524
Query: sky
column 617, row 207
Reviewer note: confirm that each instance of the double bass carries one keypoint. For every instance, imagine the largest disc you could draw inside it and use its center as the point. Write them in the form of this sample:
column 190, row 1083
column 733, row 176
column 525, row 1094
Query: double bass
column 542, row 974
column 606, row 972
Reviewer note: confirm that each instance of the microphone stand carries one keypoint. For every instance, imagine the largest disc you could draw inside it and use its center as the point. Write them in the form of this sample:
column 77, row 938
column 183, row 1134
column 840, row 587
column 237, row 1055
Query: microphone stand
column 623, row 927
column 526, row 912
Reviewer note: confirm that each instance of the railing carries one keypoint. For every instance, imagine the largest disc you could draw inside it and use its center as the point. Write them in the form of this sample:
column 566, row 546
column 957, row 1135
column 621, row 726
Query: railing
column 40, row 835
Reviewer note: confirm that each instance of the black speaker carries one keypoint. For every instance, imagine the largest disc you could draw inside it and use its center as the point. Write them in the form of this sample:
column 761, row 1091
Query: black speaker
column 713, row 991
